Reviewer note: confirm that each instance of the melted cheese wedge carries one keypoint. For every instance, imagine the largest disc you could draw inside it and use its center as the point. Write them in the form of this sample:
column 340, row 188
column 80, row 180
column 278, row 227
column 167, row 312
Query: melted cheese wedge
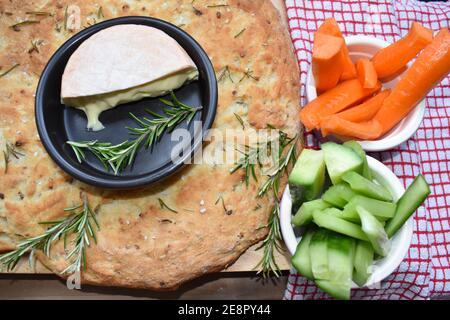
column 94, row 105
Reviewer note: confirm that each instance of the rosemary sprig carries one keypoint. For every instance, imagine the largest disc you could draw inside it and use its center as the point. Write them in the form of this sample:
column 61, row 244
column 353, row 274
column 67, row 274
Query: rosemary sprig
column 241, row 121
column 66, row 17
column 119, row 156
column 16, row 26
column 248, row 74
column 9, row 70
column 11, row 150
column 163, row 205
column 217, row 5
column 35, row 43
column 228, row 212
column 239, row 33
column 251, row 158
column 273, row 182
column 268, row 264
column 100, row 14
column 286, row 155
column 80, row 222
column 224, row 73
column 40, row 13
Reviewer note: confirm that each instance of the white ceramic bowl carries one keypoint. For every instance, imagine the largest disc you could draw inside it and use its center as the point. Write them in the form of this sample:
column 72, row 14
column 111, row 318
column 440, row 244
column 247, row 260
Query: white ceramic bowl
column 400, row 241
column 366, row 47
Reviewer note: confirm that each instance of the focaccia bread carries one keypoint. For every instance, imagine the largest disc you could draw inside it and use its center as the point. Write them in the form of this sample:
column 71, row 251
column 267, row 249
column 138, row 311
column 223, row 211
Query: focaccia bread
column 141, row 244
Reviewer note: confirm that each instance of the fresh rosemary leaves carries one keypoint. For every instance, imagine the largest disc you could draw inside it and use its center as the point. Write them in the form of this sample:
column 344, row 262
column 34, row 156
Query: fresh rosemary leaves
column 225, row 73
column 119, row 156
column 283, row 161
column 237, row 35
column 241, row 121
column 10, row 150
column 81, row 223
column 227, row 211
column 40, row 13
column 9, row 70
column 248, row 163
column 251, row 157
column 268, row 264
column 163, row 205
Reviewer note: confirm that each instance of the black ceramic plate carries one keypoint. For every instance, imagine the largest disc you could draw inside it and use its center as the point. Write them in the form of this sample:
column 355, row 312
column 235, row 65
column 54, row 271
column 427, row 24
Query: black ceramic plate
column 58, row 123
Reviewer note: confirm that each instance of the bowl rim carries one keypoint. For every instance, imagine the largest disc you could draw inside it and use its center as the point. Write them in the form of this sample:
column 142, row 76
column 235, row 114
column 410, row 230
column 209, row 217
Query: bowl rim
column 403, row 238
column 124, row 182
column 410, row 124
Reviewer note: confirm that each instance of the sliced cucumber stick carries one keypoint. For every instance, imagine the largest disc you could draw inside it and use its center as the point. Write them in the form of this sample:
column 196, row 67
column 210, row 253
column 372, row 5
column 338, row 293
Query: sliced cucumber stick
column 339, row 225
column 366, row 187
column 308, row 176
column 341, row 251
column 301, row 259
column 339, row 160
column 318, row 254
column 334, row 212
column 411, row 200
column 304, row 214
column 381, row 209
column 339, row 195
column 363, row 262
column 374, row 231
column 355, row 146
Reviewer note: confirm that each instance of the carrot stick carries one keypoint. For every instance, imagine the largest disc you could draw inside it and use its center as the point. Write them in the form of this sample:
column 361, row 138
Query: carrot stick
column 368, row 130
column 430, row 67
column 349, row 71
column 365, row 111
column 366, row 73
column 326, row 61
column 393, row 58
column 333, row 101
column 331, row 27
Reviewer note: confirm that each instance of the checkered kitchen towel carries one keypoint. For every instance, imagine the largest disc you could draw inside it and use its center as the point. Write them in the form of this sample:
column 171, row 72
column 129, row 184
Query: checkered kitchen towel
column 425, row 272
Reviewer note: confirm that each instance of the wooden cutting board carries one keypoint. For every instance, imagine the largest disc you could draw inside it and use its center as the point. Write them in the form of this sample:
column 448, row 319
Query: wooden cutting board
column 246, row 263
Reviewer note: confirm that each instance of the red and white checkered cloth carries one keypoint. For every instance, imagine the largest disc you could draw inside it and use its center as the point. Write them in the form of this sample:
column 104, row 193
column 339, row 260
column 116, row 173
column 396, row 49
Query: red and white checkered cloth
column 425, row 272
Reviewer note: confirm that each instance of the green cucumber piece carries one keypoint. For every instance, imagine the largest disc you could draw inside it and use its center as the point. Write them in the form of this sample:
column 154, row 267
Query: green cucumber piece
column 339, row 291
column 305, row 212
column 338, row 195
column 374, row 231
column 307, row 177
column 363, row 262
column 381, row 209
column 339, row 160
column 318, row 254
column 366, row 187
column 355, row 146
column 339, row 225
column 301, row 259
column 411, row 200
column 333, row 212
column 340, row 255
column 341, row 251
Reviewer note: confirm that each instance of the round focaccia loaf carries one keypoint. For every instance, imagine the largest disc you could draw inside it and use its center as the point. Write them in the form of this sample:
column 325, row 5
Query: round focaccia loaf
column 140, row 244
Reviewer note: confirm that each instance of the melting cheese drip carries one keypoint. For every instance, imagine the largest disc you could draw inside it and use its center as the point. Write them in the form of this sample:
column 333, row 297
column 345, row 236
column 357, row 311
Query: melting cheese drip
column 94, row 105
